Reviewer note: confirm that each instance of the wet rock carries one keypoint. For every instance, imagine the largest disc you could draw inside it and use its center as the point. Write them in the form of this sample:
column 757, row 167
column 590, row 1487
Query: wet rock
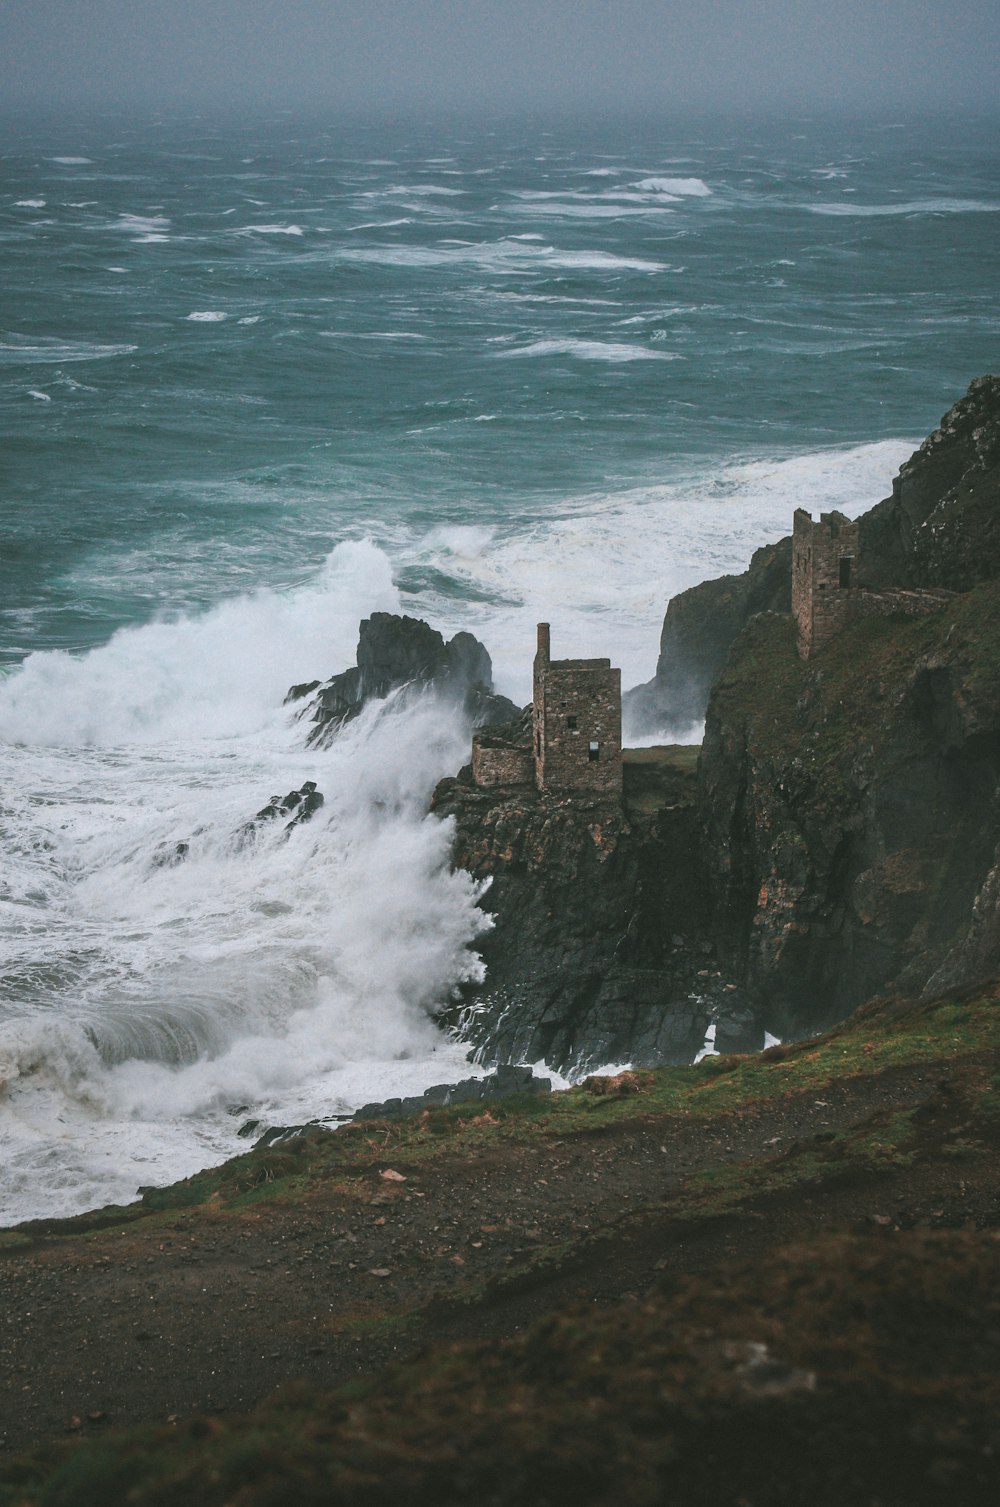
column 293, row 809
column 599, row 912
column 397, row 652
column 501, row 1084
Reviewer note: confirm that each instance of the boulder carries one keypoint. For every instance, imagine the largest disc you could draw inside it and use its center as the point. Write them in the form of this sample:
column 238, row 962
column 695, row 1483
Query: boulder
column 396, row 652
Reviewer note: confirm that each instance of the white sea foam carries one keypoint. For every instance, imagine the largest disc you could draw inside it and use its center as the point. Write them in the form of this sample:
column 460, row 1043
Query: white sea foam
column 210, row 676
column 596, row 210
column 295, row 230
column 909, row 207
column 37, row 350
column 693, row 187
column 589, row 350
column 292, row 973
column 141, row 224
column 207, row 316
column 40, row 397
column 512, row 253
column 415, row 188
column 29, row 204
column 72, row 161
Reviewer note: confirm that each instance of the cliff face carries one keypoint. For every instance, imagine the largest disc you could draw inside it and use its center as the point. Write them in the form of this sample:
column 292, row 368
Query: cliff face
column 841, row 839
column 851, row 812
column 600, row 950
column 940, row 527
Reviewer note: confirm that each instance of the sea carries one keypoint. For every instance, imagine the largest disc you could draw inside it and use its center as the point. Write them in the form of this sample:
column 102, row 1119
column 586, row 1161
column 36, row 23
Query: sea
column 260, row 377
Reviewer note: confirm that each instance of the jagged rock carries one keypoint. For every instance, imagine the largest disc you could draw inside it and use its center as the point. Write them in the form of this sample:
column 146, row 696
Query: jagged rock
column 939, row 528
column 698, row 631
column 598, row 953
column 298, row 805
column 501, row 1084
column 396, row 651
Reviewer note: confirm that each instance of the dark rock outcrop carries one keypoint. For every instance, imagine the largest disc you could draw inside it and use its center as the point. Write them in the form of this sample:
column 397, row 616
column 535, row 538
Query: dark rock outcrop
column 843, row 839
column 698, row 632
column 939, row 528
column 298, row 805
column 599, row 952
column 396, row 652
column 851, row 809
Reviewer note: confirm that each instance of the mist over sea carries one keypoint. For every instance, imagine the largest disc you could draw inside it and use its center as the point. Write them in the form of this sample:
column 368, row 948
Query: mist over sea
column 258, row 380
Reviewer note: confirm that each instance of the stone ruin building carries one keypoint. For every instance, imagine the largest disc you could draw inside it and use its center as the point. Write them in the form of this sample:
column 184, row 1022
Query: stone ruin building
column 573, row 741
column 828, row 590
column 824, row 576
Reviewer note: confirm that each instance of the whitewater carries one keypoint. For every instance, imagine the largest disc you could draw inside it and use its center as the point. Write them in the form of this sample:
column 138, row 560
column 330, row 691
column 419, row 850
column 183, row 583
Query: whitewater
column 260, row 381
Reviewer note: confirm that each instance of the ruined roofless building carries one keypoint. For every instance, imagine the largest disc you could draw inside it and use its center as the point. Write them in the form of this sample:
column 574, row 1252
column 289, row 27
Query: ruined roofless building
column 574, row 740
column 576, row 722
column 824, row 577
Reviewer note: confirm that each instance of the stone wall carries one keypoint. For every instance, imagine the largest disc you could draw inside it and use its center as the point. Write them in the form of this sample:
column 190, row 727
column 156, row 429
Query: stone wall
column 500, row 764
column 824, row 577
column 901, row 603
column 576, row 722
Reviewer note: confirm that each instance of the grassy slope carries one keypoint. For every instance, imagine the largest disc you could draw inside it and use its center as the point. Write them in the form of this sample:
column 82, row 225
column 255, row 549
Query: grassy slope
column 878, row 1380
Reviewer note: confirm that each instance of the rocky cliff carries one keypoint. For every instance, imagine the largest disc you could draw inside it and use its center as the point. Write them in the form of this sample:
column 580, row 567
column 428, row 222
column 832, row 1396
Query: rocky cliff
column 850, row 810
column 601, row 948
column 841, row 838
column 940, row 527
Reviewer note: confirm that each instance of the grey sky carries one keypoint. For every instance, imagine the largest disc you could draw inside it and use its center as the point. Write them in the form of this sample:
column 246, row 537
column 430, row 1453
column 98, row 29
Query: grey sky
column 618, row 54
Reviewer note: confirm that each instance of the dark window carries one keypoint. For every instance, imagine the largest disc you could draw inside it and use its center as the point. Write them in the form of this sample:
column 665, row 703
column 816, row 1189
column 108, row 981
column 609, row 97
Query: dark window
column 845, row 571
column 594, row 753
column 538, row 744
column 571, row 722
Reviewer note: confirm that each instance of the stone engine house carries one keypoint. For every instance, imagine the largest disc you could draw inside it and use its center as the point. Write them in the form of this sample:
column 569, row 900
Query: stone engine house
column 574, row 739
column 576, row 722
column 827, row 592
column 824, row 577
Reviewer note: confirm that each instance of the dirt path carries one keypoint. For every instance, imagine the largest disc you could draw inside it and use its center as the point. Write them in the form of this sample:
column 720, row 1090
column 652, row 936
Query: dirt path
column 210, row 1310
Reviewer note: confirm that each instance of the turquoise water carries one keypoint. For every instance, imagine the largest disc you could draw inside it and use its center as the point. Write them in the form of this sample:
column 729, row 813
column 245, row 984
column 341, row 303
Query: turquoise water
column 257, row 380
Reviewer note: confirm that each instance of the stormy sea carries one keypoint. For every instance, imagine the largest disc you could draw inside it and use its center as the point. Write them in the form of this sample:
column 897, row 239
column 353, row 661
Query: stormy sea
column 259, row 379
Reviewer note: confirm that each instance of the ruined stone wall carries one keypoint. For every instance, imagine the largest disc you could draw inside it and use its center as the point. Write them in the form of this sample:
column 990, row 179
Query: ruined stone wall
column 824, row 577
column 901, row 603
column 496, row 765
column 578, row 726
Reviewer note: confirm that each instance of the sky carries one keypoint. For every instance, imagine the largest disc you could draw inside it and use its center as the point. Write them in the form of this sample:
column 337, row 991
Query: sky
column 380, row 56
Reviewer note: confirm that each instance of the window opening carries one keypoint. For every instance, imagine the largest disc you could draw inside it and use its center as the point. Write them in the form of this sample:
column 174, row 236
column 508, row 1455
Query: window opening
column 845, row 571
column 594, row 753
column 571, row 722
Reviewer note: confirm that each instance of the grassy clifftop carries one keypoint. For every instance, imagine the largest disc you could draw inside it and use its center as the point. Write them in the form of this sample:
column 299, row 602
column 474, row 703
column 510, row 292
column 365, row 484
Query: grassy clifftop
column 772, row 1277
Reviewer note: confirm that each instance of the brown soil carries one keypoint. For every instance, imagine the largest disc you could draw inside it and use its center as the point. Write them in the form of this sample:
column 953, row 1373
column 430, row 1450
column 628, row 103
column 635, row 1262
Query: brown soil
column 211, row 1309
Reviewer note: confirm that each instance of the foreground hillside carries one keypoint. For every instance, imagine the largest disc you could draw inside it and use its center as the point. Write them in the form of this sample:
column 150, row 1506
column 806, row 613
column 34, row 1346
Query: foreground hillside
column 761, row 1279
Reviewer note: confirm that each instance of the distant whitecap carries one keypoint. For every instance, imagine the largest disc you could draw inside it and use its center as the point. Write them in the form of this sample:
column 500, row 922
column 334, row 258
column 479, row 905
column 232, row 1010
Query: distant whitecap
column 695, row 187
column 590, row 350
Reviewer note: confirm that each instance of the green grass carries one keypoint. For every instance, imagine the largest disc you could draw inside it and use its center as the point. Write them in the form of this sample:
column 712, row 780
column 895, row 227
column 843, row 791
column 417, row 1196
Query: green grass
column 877, row 1038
